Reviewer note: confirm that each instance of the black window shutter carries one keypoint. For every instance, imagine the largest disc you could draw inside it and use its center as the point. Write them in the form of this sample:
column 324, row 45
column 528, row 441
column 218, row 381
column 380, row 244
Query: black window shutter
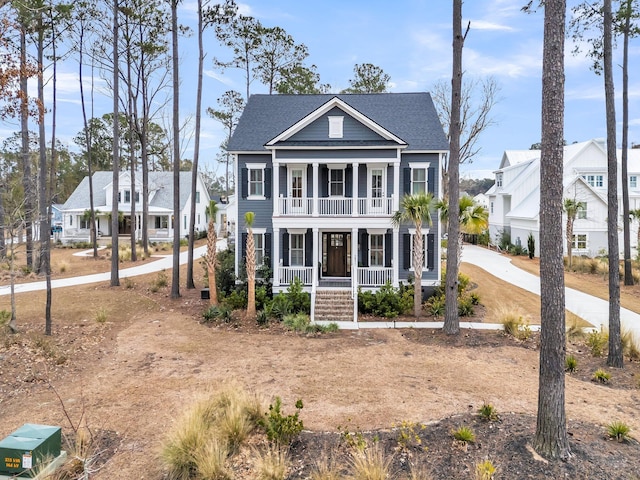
column 431, row 252
column 431, row 180
column 364, row 248
column 308, row 248
column 267, row 247
column 285, row 249
column 267, row 183
column 406, row 251
column 324, row 181
column 406, row 172
column 244, row 182
column 244, row 246
column 388, row 249
column 348, row 183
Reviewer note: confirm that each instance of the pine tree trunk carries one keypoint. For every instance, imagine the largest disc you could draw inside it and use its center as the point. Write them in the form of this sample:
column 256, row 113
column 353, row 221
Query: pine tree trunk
column 569, row 239
column 615, row 358
column 175, row 274
column 551, row 430
column 451, row 318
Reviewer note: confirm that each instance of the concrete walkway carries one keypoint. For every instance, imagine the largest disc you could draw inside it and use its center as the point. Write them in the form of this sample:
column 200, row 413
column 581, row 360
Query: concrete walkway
column 165, row 262
column 594, row 310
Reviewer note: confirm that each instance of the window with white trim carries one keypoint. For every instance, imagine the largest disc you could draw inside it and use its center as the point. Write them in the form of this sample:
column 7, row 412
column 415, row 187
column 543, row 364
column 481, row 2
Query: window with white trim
column 633, row 181
column 84, row 223
column 499, row 179
column 162, row 221
column 418, row 180
column 596, row 181
column 336, row 182
column 259, row 247
column 376, row 250
column 580, row 241
column 256, row 182
column 296, row 249
column 127, row 196
column 336, row 127
column 581, row 211
column 491, row 207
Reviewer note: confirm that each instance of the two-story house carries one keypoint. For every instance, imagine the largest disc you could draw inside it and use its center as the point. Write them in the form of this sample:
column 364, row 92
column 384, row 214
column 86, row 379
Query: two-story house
column 514, row 200
column 76, row 221
column 324, row 174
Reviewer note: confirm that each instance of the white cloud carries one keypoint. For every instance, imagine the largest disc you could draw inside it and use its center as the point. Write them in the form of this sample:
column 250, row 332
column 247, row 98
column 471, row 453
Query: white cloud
column 225, row 80
column 488, row 25
column 514, row 65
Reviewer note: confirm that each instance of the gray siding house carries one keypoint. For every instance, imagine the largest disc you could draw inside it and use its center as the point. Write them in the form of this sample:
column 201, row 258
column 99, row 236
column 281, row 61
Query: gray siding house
column 324, row 174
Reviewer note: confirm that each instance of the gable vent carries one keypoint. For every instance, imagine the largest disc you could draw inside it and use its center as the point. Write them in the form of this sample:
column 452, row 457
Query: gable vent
column 335, row 127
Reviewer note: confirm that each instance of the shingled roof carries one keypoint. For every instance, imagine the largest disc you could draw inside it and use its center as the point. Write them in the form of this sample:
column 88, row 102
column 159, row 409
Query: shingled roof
column 163, row 181
column 409, row 116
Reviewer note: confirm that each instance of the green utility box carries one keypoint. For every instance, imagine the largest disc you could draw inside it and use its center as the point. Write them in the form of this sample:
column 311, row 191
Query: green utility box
column 29, row 447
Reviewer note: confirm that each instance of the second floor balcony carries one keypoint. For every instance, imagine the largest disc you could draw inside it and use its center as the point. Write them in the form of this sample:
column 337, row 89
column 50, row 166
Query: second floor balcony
column 334, row 207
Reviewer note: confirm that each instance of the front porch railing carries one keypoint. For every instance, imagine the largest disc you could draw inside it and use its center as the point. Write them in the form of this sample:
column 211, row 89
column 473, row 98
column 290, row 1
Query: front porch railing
column 374, row 276
column 336, row 207
column 286, row 275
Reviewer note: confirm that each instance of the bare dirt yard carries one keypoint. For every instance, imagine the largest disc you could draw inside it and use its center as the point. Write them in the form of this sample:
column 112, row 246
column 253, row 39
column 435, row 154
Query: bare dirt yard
column 128, row 360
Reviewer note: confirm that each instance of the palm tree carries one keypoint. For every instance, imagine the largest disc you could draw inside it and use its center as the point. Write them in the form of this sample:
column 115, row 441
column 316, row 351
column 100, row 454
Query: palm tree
column 416, row 209
column 635, row 215
column 571, row 206
column 211, row 257
column 474, row 218
column 250, row 262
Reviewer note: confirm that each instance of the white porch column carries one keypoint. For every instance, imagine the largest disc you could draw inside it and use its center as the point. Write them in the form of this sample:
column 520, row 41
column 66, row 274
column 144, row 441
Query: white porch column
column 276, row 260
column 354, row 190
column 275, row 182
column 396, row 187
column 315, row 258
column 316, row 189
column 395, row 261
column 354, row 271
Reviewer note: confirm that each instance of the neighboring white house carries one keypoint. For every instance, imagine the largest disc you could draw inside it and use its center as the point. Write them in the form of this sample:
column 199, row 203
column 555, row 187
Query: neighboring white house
column 75, row 224
column 514, row 199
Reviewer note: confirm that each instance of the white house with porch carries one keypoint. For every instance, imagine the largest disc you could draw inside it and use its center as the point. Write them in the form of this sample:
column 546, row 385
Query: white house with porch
column 76, row 220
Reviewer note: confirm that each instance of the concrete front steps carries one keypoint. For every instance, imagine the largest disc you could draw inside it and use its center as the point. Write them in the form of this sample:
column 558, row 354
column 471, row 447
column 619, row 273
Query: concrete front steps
column 333, row 305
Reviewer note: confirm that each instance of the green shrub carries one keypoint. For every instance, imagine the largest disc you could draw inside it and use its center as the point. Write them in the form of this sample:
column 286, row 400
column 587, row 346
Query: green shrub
column 387, row 302
column 281, row 429
column 262, row 318
column 280, row 307
column 570, row 364
column 475, row 298
column 436, row 305
column 101, row 315
column 488, row 412
column 465, row 306
column 531, row 245
column 601, row 376
column 464, row 435
column 408, row 435
column 236, row 300
column 618, row 430
column 217, row 313
column 596, row 341
column 485, row 470
column 5, row 316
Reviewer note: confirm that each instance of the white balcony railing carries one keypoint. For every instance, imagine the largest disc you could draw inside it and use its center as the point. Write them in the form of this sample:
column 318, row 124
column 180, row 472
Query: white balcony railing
column 288, row 274
column 374, row 276
column 295, row 206
column 336, row 207
column 370, row 207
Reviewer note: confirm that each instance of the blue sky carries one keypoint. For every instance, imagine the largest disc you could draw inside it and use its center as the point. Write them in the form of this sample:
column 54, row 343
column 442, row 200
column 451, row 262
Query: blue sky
column 411, row 41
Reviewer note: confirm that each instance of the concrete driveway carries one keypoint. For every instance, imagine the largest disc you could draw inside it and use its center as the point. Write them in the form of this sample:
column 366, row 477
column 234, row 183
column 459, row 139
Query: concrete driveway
column 594, row 310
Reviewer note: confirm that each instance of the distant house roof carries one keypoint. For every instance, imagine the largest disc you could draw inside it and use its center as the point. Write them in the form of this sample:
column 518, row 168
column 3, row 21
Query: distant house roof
column 162, row 181
column 409, row 116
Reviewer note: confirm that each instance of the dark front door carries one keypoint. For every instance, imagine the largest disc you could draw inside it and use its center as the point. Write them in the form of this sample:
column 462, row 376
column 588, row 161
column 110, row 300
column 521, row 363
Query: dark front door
column 337, row 254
